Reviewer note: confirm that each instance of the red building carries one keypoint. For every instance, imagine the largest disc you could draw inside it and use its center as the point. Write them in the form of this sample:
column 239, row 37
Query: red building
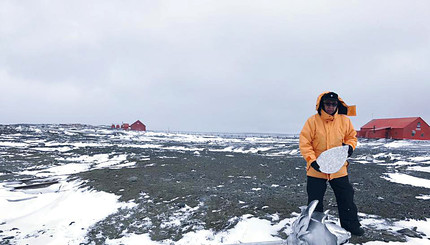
column 125, row 126
column 396, row 128
column 138, row 125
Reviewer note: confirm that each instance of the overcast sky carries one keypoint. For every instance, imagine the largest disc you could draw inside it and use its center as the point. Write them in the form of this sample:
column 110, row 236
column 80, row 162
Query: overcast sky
column 212, row 66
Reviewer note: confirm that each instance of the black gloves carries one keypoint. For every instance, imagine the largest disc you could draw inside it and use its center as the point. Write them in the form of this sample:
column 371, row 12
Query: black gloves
column 315, row 165
column 350, row 150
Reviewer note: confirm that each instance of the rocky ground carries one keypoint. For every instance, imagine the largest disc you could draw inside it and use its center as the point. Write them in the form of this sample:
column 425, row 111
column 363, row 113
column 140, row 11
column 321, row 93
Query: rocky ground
column 180, row 183
column 225, row 187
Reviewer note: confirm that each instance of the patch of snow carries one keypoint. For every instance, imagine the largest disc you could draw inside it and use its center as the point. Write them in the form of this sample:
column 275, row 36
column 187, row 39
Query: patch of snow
column 419, row 168
column 294, row 152
column 400, row 163
column 407, row 180
column 361, row 161
column 88, row 144
column 124, row 165
column 423, row 197
column 420, row 158
column 241, row 149
column 398, row 144
column 182, row 148
column 59, row 149
column 374, row 222
column 70, row 168
column 249, row 229
column 61, row 217
column 411, row 241
column 389, row 155
column 115, row 160
column 13, row 144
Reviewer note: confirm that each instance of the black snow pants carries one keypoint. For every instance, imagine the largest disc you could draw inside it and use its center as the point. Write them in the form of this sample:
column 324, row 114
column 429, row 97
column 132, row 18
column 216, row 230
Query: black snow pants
column 344, row 193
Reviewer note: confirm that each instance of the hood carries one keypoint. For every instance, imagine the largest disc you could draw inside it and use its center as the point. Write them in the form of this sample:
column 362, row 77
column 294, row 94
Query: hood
column 343, row 108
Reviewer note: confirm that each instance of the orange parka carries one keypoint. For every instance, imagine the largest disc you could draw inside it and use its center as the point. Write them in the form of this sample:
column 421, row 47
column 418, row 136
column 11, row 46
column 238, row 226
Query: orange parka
column 323, row 131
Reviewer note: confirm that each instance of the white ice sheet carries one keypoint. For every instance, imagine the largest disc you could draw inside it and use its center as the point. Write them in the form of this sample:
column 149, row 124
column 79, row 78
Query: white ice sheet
column 332, row 160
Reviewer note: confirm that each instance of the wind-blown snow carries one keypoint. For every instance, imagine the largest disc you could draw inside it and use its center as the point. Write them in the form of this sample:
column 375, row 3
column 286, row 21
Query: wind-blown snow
column 54, row 216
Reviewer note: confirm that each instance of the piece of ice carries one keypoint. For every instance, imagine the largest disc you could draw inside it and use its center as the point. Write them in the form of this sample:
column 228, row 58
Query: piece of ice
column 331, row 160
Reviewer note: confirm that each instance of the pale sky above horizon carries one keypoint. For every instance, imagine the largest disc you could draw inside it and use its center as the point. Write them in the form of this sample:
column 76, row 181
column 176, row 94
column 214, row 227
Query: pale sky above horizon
column 212, row 66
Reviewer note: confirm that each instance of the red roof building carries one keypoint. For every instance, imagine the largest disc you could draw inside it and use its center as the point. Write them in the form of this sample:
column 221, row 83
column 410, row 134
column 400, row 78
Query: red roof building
column 125, row 126
column 138, row 125
column 396, row 128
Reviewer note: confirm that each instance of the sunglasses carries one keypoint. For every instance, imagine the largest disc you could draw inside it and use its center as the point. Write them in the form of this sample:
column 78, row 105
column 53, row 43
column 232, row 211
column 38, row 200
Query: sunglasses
column 333, row 104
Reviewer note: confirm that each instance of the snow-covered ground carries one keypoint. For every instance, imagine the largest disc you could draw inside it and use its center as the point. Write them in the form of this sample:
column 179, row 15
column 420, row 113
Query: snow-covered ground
column 41, row 204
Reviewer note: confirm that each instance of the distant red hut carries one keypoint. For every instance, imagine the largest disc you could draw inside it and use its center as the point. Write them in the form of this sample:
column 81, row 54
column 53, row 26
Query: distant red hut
column 138, row 125
column 396, row 128
column 125, row 126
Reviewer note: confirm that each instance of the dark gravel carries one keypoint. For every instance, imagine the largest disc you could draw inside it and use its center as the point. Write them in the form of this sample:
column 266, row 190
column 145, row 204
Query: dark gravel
column 228, row 187
column 213, row 188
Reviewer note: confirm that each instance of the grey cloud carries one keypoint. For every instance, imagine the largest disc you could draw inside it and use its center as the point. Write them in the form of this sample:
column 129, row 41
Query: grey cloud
column 211, row 65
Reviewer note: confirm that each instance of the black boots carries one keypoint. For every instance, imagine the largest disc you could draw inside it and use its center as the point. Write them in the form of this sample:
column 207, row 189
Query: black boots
column 352, row 226
column 356, row 231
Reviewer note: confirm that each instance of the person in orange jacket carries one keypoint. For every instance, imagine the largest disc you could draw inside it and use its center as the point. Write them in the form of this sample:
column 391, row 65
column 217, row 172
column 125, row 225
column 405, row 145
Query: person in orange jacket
column 329, row 128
